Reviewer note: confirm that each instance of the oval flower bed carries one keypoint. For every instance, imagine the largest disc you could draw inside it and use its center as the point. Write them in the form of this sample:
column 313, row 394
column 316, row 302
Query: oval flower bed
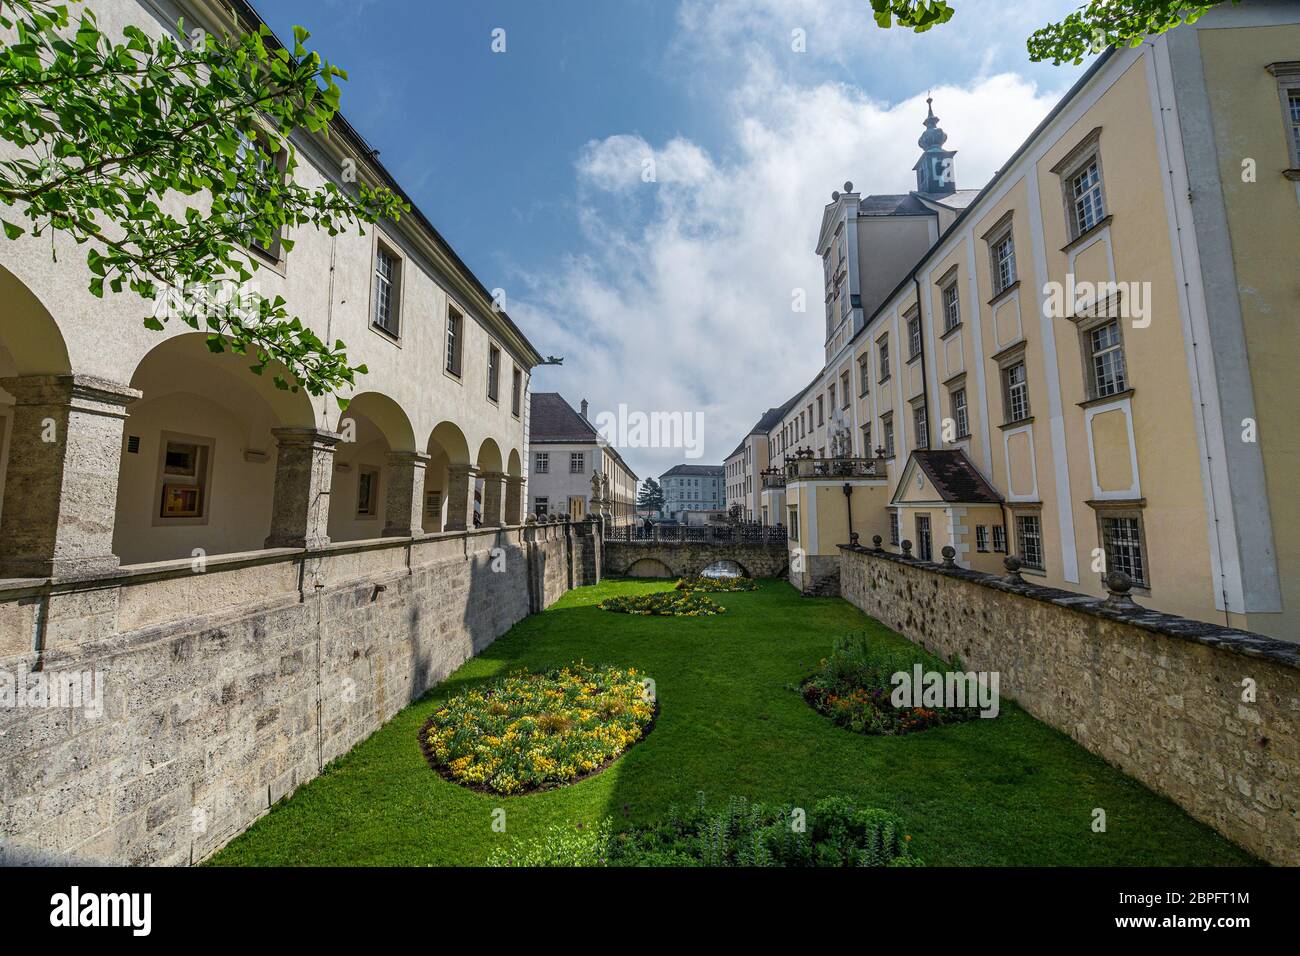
column 530, row 731
column 663, row 603
column 716, row 585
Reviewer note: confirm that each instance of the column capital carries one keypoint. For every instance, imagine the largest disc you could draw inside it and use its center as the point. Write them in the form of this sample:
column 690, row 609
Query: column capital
column 463, row 470
column 86, row 393
column 306, row 435
column 514, row 480
column 414, row 458
column 493, row 475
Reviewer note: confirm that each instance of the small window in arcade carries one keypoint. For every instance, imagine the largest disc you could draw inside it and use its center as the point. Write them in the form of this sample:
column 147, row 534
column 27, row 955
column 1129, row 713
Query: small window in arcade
column 184, row 471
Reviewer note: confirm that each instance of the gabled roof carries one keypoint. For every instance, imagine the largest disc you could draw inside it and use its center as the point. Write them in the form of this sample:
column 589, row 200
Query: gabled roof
column 953, row 476
column 552, row 419
column 902, row 204
column 709, row 471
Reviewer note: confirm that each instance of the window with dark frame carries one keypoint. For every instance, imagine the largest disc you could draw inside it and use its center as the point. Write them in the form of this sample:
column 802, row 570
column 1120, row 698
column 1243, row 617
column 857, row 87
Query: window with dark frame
column 1107, row 374
column 951, row 307
column 893, row 528
column 921, row 426
column 541, row 506
column 844, row 388
column 999, row 539
column 577, row 462
column 1015, row 391
column 1004, row 264
column 913, row 337
column 960, row 413
column 387, row 278
column 883, row 344
column 981, row 538
column 887, row 424
column 455, row 323
column 924, row 538
column 864, row 374
column 1029, row 541
column 1122, row 541
column 516, row 393
column 542, row 462
column 494, row 373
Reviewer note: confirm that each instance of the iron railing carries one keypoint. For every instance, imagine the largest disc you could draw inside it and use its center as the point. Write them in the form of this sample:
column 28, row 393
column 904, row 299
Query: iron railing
column 699, row 534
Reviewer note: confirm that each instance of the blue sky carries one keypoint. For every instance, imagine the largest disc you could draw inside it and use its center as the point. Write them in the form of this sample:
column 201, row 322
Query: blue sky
column 672, row 295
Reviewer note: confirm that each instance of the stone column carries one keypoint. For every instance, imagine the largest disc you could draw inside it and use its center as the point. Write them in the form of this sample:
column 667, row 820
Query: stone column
column 514, row 499
column 494, row 483
column 61, row 485
column 404, row 501
column 304, row 473
column 460, row 497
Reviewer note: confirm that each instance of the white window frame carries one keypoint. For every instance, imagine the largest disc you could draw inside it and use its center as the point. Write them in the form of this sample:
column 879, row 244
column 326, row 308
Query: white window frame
column 386, row 289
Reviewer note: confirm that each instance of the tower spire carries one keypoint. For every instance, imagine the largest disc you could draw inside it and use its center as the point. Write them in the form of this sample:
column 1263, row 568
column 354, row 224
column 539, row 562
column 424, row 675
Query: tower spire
column 934, row 170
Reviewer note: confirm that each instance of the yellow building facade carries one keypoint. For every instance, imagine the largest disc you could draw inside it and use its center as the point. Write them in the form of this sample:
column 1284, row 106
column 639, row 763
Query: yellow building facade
column 1085, row 365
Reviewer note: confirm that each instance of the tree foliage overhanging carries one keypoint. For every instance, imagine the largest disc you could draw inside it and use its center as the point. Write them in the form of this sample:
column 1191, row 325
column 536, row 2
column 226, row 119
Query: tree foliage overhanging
column 170, row 159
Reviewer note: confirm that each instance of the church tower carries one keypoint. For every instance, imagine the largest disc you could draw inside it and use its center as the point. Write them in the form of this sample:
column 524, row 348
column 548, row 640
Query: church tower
column 935, row 173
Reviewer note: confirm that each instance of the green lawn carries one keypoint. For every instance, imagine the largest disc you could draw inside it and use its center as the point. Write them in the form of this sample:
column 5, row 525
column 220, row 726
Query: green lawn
column 1009, row 791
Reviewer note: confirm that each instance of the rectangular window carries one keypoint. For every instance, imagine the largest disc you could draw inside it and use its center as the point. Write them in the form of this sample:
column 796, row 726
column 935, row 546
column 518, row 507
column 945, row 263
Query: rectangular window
column 821, row 412
column 867, row 450
column 387, row 282
column 1107, row 374
column 1293, row 109
column 884, row 359
column 999, row 539
column 1015, row 392
column 830, row 392
column 1004, row 264
column 1121, row 537
column 921, row 426
column 951, row 307
column 981, row 538
column 541, row 506
column 924, row 540
column 844, row 389
column 542, row 461
column 494, row 373
column 577, row 462
column 913, row 337
column 367, row 492
column 516, row 393
column 268, row 170
column 864, row 373
column 793, row 530
column 893, row 528
column 960, row 414
column 888, row 425
column 1029, row 541
column 454, row 325
column 1087, row 207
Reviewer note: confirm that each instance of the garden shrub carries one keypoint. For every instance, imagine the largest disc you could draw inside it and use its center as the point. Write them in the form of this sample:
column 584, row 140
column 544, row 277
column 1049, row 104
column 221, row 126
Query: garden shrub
column 853, row 688
column 716, row 585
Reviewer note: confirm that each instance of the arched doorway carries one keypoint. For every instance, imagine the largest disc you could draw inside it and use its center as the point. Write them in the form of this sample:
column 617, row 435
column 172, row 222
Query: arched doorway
column 378, row 477
column 490, row 496
column 198, row 463
column 514, row 488
column 446, row 479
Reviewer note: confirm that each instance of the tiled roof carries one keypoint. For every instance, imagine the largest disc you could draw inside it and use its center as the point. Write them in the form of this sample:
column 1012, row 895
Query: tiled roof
column 901, row 204
column 552, row 419
column 711, row 471
column 955, row 478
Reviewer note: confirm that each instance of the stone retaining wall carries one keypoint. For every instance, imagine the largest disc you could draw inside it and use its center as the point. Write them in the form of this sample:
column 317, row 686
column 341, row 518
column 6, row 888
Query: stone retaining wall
column 686, row 559
column 224, row 690
column 1158, row 696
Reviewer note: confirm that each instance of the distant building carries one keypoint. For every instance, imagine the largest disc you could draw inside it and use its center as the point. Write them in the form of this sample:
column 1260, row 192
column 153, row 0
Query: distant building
column 743, row 467
column 564, row 451
column 692, row 488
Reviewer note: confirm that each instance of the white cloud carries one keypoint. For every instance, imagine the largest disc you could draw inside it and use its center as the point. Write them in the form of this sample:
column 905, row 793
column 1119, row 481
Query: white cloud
column 682, row 300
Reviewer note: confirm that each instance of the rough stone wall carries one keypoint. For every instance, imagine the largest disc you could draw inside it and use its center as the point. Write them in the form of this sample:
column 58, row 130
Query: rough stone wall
column 1158, row 696
column 687, row 559
column 818, row 575
column 227, row 699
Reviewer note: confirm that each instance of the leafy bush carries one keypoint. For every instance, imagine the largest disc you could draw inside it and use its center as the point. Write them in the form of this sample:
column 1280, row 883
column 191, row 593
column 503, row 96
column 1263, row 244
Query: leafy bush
column 529, row 730
column 853, row 688
column 663, row 603
column 716, row 585
column 560, row 846
column 835, row 833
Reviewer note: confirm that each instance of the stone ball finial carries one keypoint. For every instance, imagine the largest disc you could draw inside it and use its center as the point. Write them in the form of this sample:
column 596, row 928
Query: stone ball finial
column 1013, row 566
column 848, row 186
column 877, row 540
column 907, row 548
column 835, row 195
column 949, row 555
column 1118, row 584
column 531, row 519
column 853, row 539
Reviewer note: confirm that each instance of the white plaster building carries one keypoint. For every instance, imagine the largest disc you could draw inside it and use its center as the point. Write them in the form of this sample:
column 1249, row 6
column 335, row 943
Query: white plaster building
column 566, row 452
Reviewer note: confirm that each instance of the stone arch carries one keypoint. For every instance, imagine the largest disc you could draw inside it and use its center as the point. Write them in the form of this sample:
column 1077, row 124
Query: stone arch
column 371, row 459
column 449, row 457
column 30, row 340
column 197, row 469
column 489, row 456
column 729, row 564
column 514, row 464
column 649, row 568
column 489, row 495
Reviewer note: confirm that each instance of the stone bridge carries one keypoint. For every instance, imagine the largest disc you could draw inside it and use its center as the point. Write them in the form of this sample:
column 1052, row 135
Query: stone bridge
column 762, row 556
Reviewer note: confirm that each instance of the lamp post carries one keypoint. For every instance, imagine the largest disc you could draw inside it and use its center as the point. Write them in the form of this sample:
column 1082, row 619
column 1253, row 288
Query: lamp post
column 848, row 502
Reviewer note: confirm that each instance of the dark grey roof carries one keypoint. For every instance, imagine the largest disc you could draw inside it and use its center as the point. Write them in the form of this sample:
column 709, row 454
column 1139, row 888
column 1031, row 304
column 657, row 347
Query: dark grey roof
column 552, row 419
column 954, row 477
column 711, row 471
column 903, row 204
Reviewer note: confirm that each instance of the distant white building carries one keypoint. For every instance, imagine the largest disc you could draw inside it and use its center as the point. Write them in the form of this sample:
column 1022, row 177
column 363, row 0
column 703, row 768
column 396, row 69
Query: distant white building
column 564, row 452
column 693, row 488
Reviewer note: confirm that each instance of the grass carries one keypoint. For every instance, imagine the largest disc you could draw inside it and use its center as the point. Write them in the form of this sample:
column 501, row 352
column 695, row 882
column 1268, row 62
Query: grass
column 1009, row 791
